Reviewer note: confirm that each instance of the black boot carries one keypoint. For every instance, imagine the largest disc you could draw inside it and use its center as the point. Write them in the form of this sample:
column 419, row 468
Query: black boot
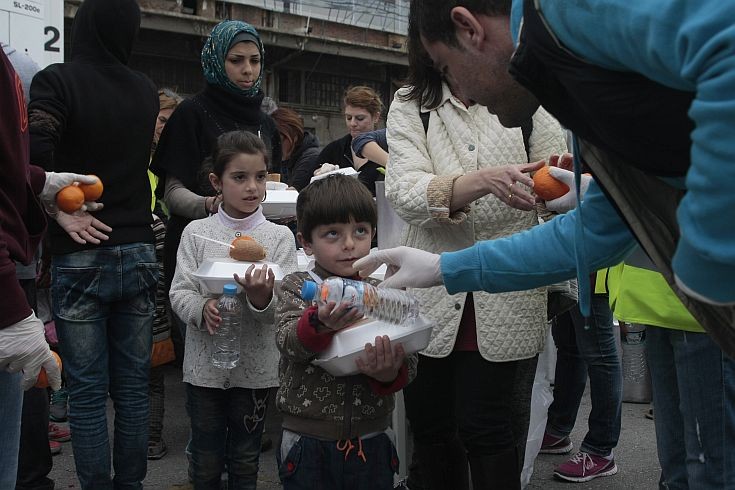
column 443, row 466
column 496, row 471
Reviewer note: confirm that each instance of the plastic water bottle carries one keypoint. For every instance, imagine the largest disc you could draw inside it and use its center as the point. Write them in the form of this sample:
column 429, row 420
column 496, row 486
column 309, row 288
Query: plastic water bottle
column 226, row 339
column 388, row 305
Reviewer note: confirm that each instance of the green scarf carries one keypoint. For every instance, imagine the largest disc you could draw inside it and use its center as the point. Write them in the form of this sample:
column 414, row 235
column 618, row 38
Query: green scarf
column 215, row 51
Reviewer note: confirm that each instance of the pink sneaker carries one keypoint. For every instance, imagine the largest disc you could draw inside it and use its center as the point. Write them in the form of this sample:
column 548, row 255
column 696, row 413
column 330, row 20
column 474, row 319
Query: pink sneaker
column 58, row 433
column 55, row 447
column 585, row 467
column 555, row 445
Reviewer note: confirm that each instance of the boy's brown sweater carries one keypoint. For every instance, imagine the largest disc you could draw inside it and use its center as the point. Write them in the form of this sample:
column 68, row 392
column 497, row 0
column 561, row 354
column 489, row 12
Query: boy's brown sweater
column 312, row 401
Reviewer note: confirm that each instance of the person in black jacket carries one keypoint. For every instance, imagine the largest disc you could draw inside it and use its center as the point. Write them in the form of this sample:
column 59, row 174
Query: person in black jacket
column 300, row 149
column 94, row 115
column 362, row 113
column 232, row 60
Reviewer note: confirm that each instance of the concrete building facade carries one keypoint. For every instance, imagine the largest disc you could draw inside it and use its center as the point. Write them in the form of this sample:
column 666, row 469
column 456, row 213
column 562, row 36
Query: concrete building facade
column 314, row 49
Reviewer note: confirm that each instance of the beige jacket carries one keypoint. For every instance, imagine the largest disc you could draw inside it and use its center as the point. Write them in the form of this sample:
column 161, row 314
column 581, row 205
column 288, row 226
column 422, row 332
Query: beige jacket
column 422, row 168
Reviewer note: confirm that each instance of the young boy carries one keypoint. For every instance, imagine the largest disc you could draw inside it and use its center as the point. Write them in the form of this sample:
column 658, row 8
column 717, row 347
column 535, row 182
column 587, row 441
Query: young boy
column 335, row 429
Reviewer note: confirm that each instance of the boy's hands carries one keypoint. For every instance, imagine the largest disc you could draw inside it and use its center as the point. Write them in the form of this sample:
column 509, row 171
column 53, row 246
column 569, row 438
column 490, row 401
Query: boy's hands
column 381, row 363
column 336, row 317
column 258, row 285
column 210, row 315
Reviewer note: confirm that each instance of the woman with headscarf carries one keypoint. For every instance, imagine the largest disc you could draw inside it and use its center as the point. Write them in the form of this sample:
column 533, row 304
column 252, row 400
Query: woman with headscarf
column 232, row 62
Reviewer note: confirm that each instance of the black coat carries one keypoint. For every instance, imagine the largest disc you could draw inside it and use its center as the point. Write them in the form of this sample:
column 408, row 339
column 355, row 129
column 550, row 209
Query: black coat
column 339, row 152
column 299, row 168
column 189, row 138
column 94, row 115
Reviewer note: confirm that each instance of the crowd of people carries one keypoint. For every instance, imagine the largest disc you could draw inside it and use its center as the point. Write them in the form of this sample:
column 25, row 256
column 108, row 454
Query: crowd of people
column 493, row 90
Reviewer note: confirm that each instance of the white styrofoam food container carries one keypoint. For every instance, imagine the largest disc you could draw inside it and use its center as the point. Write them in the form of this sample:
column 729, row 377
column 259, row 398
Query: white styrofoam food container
column 275, row 186
column 280, row 204
column 214, row 273
column 349, row 344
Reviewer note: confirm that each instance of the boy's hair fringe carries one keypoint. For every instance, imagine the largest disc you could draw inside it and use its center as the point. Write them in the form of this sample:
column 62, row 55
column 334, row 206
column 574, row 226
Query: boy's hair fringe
column 334, row 199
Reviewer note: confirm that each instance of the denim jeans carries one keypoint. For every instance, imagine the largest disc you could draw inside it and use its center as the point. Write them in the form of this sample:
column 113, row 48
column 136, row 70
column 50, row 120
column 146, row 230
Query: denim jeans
column 694, row 395
column 581, row 352
column 355, row 464
column 34, row 455
column 104, row 301
column 11, row 401
column 226, row 427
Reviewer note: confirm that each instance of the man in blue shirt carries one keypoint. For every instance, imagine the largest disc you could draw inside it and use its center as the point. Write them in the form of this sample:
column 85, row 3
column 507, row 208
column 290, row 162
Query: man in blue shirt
column 648, row 88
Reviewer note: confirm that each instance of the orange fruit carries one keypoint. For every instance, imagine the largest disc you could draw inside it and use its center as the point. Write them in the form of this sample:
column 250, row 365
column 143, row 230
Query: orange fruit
column 92, row 192
column 70, row 198
column 547, row 187
column 42, row 381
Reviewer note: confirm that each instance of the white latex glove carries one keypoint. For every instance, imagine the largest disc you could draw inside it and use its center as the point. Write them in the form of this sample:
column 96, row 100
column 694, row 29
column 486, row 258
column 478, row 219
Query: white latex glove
column 23, row 347
column 407, row 267
column 568, row 201
column 55, row 181
column 326, row 167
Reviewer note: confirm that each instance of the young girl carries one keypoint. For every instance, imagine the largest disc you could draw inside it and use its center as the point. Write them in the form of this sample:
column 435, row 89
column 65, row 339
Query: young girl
column 227, row 407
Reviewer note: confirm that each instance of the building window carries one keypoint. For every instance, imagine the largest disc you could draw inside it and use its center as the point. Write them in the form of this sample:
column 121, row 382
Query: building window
column 289, row 86
column 223, row 10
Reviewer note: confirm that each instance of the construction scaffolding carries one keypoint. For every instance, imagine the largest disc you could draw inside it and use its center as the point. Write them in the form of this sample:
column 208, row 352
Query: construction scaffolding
column 381, row 15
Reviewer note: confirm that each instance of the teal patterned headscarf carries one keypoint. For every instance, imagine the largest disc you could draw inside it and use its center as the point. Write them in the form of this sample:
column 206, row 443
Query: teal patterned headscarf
column 215, row 51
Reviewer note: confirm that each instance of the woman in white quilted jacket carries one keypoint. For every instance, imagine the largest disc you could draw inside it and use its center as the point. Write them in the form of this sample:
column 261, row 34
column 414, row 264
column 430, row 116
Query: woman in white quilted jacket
column 456, row 177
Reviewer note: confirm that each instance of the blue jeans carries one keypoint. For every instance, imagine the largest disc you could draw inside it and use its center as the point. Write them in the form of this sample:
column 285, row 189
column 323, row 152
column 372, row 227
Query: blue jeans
column 694, row 395
column 581, row 352
column 226, row 427
column 355, row 464
column 11, row 402
column 104, row 301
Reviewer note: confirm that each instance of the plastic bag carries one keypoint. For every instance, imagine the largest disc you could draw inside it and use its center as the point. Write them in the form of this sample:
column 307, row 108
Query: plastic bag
column 541, row 398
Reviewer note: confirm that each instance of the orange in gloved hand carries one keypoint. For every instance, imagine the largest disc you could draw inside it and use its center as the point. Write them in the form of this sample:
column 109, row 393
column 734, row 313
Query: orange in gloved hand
column 42, row 378
column 547, row 187
column 70, row 199
column 92, row 192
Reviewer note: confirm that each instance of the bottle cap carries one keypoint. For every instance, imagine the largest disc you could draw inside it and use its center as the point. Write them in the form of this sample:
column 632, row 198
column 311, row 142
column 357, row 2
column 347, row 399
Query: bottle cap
column 230, row 289
column 308, row 290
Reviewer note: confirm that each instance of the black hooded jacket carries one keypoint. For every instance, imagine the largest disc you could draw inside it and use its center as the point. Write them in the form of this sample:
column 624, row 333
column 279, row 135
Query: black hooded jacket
column 94, row 115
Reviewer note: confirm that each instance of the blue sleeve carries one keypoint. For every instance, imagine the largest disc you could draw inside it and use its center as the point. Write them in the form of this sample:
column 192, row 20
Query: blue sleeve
column 542, row 255
column 378, row 136
column 686, row 46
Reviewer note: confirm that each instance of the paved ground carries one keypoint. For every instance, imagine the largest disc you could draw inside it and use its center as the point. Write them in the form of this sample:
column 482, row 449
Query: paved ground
column 635, row 456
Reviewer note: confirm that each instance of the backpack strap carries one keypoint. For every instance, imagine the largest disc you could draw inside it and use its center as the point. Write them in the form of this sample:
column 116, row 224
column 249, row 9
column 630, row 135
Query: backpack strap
column 527, row 129
column 425, row 120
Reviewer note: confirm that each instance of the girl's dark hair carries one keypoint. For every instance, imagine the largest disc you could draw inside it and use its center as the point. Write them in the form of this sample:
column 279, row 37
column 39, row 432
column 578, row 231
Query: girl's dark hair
column 334, row 199
column 290, row 124
column 425, row 83
column 231, row 144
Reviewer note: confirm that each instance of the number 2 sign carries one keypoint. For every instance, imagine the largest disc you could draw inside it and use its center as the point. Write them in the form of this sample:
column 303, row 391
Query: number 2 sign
column 35, row 27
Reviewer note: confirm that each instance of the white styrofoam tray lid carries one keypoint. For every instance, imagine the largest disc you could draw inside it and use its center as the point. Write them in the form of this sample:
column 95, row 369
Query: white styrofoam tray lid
column 352, row 339
column 280, row 203
column 348, row 171
column 215, row 272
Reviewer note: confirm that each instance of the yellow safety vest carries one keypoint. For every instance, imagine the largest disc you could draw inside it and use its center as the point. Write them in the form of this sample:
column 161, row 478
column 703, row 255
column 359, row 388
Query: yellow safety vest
column 640, row 294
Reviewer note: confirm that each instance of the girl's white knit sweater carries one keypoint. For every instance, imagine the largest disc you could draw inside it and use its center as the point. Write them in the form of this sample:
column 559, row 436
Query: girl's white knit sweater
column 258, row 366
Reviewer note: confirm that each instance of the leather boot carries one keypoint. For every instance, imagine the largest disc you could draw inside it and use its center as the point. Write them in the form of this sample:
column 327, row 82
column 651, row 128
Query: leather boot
column 496, row 471
column 443, row 466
